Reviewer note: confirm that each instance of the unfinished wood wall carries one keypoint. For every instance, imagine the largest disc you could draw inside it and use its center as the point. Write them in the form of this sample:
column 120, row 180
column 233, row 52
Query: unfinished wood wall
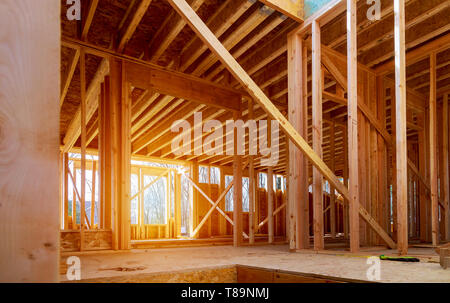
column 373, row 143
column 29, row 140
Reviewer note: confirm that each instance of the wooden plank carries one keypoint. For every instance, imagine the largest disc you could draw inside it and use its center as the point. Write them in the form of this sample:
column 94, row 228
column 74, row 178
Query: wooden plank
column 445, row 165
column 332, row 190
column 167, row 32
column 133, row 24
column 292, row 9
column 302, row 222
column 182, row 86
column 88, row 19
column 251, row 185
column 352, row 78
column 417, row 54
column 432, row 153
column 70, row 71
column 83, row 145
column 270, row 203
column 295, row 94
column 29, row 122
column 177, row 188
column 66, row 190
column 400, row 117
column 317, row 83
column 208, row 37
column 93, row 197
column 237, row 191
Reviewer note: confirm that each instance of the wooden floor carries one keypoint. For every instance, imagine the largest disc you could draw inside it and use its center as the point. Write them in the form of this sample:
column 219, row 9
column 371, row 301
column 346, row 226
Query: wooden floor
column 337, row 264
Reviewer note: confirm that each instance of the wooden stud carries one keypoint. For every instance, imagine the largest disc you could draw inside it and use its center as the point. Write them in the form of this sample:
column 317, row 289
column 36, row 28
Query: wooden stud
column 270, row 203
column 432, row 153
column 332, row 190
column 295, row 95
column 237, row 191
column 318, row 221
column 88, row 19
column 66, row 190
column 445, row 164
column 133, row 24
column 83, row 146
column 401, row 141
column 251, row 185
column 352, row 78
column 94, row 175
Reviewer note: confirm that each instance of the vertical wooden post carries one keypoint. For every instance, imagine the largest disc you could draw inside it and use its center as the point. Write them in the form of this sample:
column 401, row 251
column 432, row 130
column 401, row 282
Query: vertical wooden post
column 222, row 221
column 352, row 66
column 445, row 165
column 121, row 149
column 332, row 189
column 74, row 199
column 295, row 95
column 251, row 184
column 194, row 208
column 270, row 203
column 29, row 140
column 433, row 159
column 66, row 189
column 177, row 180
column 382, row 158
column 401, row 143
column 345, row 208
column 94, row 174
column 317, row 136
column 237, row 191
column 423, row 200
column 302, row 222
column 106, row 155
column 83, row 145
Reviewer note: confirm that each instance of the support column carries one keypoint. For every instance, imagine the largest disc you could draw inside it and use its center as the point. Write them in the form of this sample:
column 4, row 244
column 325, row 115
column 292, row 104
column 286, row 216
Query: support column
column 446, row 187
column 270, row 203
column 401, row 141
column 83, row 146
column 237, row 191
column 251, row 184
column 352, row 65
column 121, row 151
column 66, row 189
column 332, row 189
column 433, row 158
column 295, row 100
column 317, row 136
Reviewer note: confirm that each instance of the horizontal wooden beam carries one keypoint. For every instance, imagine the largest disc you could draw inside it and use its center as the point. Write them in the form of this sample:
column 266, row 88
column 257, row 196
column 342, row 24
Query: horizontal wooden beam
column 417, row 54
column 291, row 8
column 182, row 86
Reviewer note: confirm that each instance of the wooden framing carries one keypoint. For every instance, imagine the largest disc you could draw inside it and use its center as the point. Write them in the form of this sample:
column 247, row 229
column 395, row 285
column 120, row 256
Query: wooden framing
column 352, row 126
column 432, row 153
column 208, row 37
column 29, row 115
column 293, row 9
column 366, row 125
column 400, row 122
column 317, row 85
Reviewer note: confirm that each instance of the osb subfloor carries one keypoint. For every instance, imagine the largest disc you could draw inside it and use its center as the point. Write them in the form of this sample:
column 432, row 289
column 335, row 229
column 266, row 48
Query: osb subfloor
column 334, row 264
